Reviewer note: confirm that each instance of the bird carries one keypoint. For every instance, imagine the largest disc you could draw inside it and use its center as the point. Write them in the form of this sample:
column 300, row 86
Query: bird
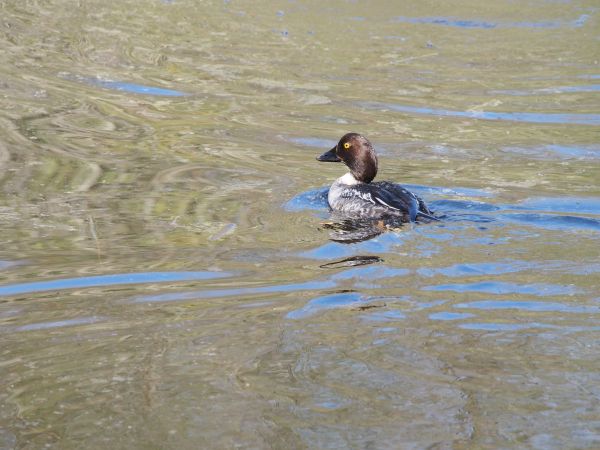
column 357, row 196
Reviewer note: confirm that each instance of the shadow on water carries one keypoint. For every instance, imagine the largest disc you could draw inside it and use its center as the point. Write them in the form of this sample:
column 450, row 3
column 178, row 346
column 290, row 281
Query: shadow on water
column 352, row 262
column 341, row 229
column 350, row 231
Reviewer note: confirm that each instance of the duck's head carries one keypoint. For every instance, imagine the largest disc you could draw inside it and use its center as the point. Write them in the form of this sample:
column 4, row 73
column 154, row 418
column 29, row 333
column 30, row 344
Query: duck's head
column 357, row 153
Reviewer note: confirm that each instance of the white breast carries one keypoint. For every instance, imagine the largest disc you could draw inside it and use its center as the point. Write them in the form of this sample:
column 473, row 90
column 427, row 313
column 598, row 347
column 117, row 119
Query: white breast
column 348, row 179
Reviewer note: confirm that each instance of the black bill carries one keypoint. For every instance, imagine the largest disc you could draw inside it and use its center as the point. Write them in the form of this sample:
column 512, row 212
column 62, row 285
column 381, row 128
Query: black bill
column 329, row 156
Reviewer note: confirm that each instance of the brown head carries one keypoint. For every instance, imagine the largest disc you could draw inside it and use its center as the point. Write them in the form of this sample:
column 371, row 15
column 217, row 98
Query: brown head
column 357, row 153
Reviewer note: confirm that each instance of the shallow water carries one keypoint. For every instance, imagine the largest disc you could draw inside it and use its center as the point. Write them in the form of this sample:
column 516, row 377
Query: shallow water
column 166, row 280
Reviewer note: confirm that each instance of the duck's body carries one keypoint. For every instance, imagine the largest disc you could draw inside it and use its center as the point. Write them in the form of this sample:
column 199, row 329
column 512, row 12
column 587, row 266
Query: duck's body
column 356, row 196
column 375, row 200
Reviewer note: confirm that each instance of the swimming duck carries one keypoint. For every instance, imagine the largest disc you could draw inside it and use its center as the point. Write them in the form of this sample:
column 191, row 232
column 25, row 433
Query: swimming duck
column 356, row 195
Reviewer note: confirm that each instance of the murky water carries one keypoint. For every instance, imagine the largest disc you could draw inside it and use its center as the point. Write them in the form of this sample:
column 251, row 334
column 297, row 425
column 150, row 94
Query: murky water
column 166, row 280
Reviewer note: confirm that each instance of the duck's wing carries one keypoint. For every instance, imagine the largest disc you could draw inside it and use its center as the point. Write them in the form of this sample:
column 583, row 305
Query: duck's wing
column 391, row 198
column 399, row 195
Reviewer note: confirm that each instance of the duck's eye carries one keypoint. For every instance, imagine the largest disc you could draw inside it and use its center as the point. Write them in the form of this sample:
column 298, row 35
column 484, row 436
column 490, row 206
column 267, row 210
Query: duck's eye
column 346, row 145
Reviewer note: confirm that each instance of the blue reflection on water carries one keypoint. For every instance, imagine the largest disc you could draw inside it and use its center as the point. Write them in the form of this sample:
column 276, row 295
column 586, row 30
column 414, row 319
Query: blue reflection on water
column 530, row 306
column 383, row 243
column 324, row 303
column 316, row 199
column 313, row 142
column 447, row 21
column 544, row 91
column 466, row 269
column 552, row 151
column 59, row 323
column 560, row 118
column 310, row 200
column 509, row 266
column 392, row 315
column 368, row 277
column 136, row 88
column 237, row 292
column 371, row 273
column 568, row 214
column 576, row 205
column 554, row 222
column 107, row 280
column 577, row 152
column 450, row 316
column 445, row 191
column 466, row 23
column 580, row 205
column 469, row 205
column 7, row 264
column 504, row 326
column 463, row 210
column 501, row 287
column 480, row 326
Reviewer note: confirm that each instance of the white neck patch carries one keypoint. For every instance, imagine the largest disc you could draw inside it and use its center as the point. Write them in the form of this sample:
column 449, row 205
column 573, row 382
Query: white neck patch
column 348, row 179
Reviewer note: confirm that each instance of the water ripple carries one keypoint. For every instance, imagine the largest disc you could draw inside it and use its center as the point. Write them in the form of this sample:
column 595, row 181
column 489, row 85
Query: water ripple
column 466, row 269
column 325, row 303
column 554, row 222
column 313, row 142
column 137, row 88
column 371, row 273
column 529, row 306
column 487, row 25
column 558, row 118
column 500, row 287
column 578, row 205
column 59, row 323
column 310, row 200
column 554, row 151
column 126, row 87
column 549, row 91
column 450, row 316
column 503, row 326
column 107, row 280
column 447, row 190
column 8, row 264
column 237, row 292
column 383, row 243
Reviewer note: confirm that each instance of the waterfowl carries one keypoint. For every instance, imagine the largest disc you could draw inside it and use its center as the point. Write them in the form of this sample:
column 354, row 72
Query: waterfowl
column 356, row 195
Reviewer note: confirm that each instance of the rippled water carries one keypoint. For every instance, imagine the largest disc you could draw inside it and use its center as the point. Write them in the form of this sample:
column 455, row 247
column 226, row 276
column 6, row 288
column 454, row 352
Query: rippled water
column 166, row 276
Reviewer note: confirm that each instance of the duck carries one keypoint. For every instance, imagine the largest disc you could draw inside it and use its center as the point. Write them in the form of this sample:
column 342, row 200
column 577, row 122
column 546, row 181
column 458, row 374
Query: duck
column 355, row 195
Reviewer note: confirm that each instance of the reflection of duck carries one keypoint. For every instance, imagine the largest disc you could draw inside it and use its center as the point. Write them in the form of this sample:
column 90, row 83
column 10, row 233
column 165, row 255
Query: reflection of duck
column 356, row 196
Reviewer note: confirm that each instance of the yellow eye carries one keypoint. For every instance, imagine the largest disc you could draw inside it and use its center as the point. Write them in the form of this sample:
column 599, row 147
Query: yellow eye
column 346, row 145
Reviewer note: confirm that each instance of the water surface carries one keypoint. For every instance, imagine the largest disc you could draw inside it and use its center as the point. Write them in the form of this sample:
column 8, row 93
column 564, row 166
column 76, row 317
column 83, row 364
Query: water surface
column 167, row 275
